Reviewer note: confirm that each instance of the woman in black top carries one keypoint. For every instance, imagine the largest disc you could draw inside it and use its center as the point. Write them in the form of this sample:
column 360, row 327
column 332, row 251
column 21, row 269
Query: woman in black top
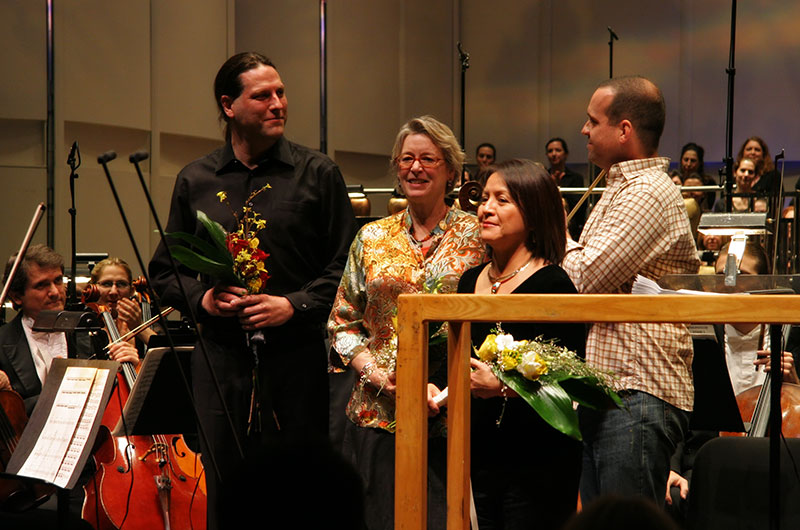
column 524, row 473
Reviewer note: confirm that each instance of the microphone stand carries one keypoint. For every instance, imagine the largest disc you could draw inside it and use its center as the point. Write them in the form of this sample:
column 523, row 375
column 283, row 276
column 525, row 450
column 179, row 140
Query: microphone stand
column 134, row 159
column 103, row 160
column 463, row 57
column 731, row 71
column 74, row 162
column 611, row 38
column 323, row 79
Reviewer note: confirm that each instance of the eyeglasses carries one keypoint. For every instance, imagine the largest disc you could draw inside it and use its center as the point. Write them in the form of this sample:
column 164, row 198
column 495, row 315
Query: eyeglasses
column 426, row 161
column 121, row 284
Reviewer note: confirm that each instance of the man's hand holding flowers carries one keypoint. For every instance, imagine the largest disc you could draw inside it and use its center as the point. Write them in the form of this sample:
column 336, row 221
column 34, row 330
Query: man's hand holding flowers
column 218, row 302
column 254, row 311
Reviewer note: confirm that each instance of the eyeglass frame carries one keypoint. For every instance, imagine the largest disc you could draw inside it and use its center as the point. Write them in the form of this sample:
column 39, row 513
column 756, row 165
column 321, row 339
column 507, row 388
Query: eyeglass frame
column 406, row 165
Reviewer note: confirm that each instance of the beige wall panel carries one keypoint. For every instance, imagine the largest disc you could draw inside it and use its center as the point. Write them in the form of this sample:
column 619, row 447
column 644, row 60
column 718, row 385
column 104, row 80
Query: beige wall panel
column 189, row 46
column 502, row 80
column 428, row 57
column 22, row 143
column 287, row 33
column 365, row 85
column 26, row 188
column 177, row 151
column 103, row 62
column 99, row 225
column 23, row 91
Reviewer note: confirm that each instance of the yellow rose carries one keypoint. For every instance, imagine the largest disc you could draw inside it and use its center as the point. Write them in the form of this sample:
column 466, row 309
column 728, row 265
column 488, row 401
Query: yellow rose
column 509, row 360
column 488, row 350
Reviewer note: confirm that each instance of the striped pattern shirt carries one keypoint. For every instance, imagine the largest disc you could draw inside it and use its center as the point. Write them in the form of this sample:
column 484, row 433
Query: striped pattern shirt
column 639, row 226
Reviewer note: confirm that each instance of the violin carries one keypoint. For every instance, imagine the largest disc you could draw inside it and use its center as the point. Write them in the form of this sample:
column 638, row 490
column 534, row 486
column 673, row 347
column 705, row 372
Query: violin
column 138, row 482
column 16, row 496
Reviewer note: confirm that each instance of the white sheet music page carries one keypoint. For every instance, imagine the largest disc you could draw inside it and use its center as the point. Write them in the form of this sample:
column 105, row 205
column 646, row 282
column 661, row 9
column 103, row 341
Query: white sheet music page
column 67, row 428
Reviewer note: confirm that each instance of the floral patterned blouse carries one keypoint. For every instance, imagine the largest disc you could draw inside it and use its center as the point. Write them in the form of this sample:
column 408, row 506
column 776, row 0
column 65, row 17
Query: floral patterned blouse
column 384, row 262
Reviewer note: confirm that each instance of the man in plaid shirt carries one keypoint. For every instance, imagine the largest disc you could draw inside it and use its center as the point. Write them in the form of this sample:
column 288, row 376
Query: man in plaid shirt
column 639, row 226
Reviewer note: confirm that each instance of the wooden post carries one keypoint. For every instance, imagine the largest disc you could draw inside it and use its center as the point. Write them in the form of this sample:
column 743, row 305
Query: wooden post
column 411, row 438
column 458, row 421
column 416, row 310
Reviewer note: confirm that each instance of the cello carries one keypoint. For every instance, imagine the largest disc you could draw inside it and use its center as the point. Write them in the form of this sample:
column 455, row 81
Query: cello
column 754, row 405
column 16, row 496
column 137, row 482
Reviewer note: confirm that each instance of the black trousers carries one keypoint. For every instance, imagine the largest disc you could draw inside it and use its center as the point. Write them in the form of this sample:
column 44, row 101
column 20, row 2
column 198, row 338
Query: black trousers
column 294, row 397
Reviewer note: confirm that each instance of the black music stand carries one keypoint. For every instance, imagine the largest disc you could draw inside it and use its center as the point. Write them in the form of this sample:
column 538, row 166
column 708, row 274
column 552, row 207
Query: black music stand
column 157, row 405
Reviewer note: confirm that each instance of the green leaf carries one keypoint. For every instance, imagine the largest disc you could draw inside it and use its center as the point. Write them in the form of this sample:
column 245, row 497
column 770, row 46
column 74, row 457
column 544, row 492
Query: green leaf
column 585, row 390
column 204, row 247
column 550, row 401
column 214, row 229
column 204, row 265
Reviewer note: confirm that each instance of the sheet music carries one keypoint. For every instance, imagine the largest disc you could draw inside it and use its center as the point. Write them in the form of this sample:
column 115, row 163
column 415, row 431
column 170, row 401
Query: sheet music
column 644, row 285
column 64, row 436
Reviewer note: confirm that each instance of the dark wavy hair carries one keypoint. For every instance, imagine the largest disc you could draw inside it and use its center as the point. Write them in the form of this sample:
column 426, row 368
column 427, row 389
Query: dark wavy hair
column 228, row 83
column 536, row 195
column 766, row 164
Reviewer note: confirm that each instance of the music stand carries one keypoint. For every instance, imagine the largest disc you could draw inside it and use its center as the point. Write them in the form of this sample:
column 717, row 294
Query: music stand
column 79, row 439
column 157, row 405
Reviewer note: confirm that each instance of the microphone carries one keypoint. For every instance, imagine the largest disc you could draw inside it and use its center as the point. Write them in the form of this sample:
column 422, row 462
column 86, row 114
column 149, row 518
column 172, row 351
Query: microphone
column 138, row 156
column 612, row 35
column 106, row 157
column 72, row 152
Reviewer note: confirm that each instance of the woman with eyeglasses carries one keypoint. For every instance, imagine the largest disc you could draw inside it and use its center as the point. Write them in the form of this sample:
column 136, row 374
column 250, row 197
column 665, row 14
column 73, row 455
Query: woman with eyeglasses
column 424, row 248
column 113, row 278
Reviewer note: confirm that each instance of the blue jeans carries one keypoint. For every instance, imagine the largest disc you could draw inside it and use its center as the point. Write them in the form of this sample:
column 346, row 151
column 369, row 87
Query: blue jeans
column 627, row 451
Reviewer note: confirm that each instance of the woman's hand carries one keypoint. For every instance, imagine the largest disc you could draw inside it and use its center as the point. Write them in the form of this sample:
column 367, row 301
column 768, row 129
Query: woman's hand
column 433, row 407
column 5, row 383
column 123, row 352
column 482, row 382
column 787, row 364
column 129, row 312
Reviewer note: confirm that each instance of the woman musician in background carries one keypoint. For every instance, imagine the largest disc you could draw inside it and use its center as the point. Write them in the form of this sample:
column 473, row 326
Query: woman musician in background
column 114, row 280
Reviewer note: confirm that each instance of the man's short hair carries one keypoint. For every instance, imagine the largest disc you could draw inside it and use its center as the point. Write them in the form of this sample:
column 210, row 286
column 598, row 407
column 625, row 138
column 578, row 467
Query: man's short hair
column 228, row 83
column 754, row 251
column 442, row 137
column 42, row 255
column 640, row 101
column 560, row 140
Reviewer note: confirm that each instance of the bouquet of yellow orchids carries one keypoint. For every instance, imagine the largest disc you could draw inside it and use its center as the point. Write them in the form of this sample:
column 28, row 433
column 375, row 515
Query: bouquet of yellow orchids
column 232, row 258
column 549, row 378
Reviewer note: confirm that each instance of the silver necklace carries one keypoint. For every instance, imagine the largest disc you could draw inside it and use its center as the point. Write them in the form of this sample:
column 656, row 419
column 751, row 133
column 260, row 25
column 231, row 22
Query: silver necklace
column 497, row 281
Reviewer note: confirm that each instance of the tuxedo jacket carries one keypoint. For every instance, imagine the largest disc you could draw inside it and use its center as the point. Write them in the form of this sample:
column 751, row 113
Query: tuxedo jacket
column 17, row 363
column 16, row 360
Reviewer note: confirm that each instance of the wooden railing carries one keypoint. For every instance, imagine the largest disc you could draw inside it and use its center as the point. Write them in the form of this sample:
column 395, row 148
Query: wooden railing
column 415, row 311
